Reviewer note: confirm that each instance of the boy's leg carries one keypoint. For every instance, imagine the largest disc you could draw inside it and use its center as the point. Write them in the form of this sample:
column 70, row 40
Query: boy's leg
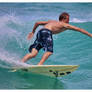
column 30, row 55
column 44, row 57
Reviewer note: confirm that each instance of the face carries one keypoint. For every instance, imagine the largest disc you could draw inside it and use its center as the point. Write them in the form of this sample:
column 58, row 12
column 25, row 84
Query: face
column 66, row 20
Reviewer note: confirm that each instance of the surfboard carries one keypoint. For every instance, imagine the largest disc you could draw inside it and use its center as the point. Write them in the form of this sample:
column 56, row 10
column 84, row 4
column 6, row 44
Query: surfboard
column 50, row 70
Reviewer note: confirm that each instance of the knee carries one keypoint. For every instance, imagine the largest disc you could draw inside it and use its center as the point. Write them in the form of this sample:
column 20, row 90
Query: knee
column 50, row 53
column 34, row 55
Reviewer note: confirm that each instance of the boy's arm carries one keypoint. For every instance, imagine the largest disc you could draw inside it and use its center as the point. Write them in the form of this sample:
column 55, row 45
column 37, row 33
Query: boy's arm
column 68, row 26
column 37, row 24
column 30, row 35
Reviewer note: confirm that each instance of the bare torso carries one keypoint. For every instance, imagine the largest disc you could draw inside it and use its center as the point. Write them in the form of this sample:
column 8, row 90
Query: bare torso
column 55, row 26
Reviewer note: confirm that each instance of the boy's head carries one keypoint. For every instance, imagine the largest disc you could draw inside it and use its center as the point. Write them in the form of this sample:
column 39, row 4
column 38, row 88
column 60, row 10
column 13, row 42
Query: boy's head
column 64, row 17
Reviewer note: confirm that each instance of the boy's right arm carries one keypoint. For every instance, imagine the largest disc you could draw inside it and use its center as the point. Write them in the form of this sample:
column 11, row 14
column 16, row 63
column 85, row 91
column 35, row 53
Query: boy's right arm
column 68, row 26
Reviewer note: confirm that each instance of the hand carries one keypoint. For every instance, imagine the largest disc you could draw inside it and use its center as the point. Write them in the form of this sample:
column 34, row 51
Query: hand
column 90, row 35
column 30, row 35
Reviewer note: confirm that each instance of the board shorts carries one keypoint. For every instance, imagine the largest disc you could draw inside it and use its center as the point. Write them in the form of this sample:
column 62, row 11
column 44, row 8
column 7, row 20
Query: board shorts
column 43, row 40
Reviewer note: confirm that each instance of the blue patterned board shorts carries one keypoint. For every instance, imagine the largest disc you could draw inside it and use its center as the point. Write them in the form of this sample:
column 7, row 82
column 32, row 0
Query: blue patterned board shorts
column 43, row 40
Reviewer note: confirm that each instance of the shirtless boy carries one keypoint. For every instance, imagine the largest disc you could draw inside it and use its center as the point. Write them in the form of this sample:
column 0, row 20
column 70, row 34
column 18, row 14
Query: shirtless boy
column 44, row 36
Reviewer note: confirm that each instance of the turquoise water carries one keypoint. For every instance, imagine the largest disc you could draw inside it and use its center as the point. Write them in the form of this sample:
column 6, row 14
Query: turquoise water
column 70, row 47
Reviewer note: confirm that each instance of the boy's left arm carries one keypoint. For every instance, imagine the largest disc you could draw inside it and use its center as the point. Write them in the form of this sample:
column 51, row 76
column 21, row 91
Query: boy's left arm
column 39, row 23
column 30, row 35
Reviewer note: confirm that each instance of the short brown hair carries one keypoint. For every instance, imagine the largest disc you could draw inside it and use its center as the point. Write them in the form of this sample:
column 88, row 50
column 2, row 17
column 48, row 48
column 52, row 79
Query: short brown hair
column 63, row 15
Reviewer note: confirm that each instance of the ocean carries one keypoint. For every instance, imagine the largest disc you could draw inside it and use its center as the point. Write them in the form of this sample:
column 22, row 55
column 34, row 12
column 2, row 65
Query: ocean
column 70, row 47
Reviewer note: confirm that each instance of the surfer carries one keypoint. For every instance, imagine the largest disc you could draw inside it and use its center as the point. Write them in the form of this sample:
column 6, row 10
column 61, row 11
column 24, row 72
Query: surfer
column 44, row 36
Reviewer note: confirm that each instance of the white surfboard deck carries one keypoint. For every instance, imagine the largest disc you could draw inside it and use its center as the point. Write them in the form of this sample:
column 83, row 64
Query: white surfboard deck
column 49, row 70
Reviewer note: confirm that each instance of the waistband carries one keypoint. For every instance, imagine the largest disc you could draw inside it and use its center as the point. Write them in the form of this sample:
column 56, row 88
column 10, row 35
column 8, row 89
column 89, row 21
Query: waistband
column 43, row 29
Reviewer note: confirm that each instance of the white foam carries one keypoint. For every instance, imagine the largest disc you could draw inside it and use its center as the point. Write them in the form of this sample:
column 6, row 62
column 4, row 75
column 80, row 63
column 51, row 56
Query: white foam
column 76, row 20
column 7, row 33
column 10, row 60
column 6, row 18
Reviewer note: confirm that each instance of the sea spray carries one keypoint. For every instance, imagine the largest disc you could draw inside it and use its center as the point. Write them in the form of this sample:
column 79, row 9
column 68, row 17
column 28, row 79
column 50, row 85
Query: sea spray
column 9, row 60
